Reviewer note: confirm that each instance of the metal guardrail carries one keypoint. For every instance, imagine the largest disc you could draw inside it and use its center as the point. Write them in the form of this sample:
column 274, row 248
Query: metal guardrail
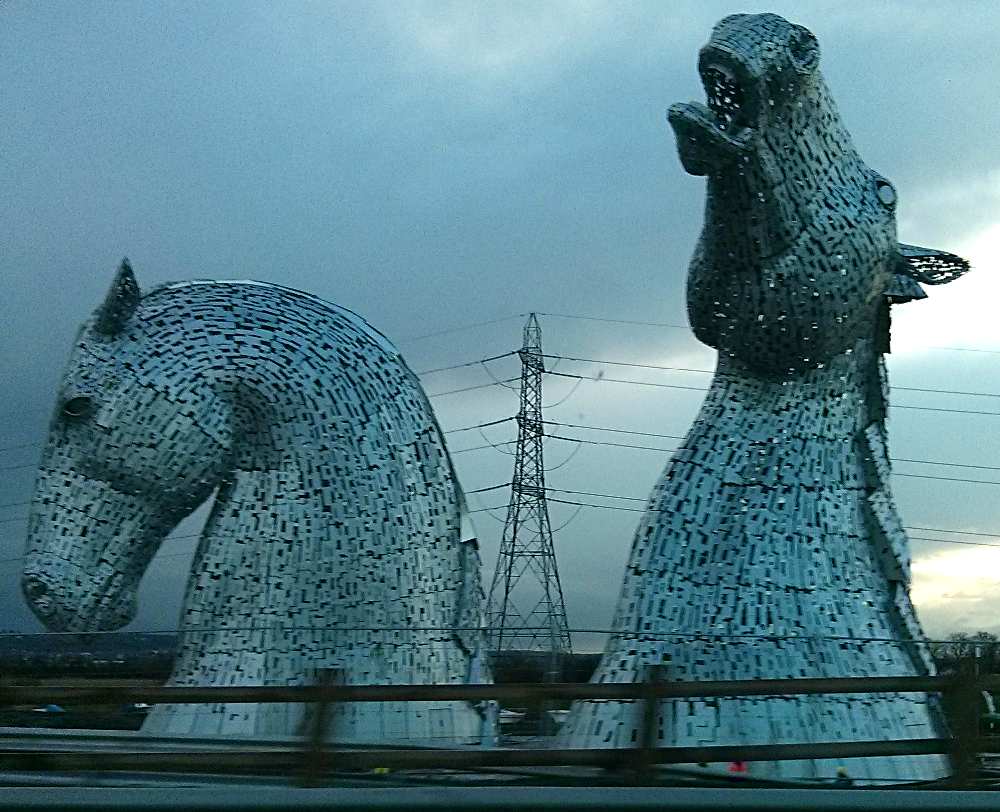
column 316, row 757
column 513, row 692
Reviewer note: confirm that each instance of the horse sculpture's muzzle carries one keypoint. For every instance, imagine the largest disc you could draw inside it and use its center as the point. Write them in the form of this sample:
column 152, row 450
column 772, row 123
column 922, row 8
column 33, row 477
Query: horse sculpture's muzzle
column 37, row 593
column 65, row 599
column 88, row 546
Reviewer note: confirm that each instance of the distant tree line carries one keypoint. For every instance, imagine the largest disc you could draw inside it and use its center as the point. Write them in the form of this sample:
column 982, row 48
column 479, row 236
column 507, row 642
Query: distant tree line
column 153, row 657
column 983, row 647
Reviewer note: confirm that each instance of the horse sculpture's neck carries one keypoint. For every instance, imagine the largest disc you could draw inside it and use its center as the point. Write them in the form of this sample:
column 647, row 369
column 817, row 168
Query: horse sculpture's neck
column 756, row 430
column 771, row 548
column 334, row 541
column 799, row 458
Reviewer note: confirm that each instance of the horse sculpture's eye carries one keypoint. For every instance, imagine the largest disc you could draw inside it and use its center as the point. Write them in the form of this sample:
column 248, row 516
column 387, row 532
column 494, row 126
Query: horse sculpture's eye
column 886, row 194
column 80, row 406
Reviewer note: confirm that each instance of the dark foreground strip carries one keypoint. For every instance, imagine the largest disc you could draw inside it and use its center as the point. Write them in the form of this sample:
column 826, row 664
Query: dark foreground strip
column 290, row 761
column 534, row 799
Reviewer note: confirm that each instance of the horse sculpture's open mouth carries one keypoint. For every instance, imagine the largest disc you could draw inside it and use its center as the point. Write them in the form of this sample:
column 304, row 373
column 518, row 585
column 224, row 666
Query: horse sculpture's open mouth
column 725, row 98
column 716, row 132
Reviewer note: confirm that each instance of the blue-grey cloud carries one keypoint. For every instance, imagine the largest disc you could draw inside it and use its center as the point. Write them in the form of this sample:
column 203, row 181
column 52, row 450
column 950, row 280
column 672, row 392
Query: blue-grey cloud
column 434, row 164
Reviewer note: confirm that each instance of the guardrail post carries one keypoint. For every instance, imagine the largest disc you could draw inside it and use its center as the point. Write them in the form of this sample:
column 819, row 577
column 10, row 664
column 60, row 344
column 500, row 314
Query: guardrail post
column 317, row 719
column 648, row 729
column 967, row 700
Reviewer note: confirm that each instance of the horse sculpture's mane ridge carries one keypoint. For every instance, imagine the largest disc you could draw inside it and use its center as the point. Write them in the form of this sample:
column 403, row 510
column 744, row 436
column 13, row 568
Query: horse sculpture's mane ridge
column 295, row 292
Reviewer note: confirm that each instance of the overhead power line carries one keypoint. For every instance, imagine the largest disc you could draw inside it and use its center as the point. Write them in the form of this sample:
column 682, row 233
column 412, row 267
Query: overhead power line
column 474, row 448
column 461, row 327
column 470, row 388
column 616, row 431
column 602, row 378
column 678, row 437
column 948, row 464
column 613, row 445
column 960, row 532
column 895, row 473
column 491, row 488
column 469, row 363
column 644, row 510
column 948, row 478
column 630, row 364
column 480, row 425
column 923, row 538
column 715, row 372
column 954, row 541
column 21, row 445
column 617, row 321
column 18, row 467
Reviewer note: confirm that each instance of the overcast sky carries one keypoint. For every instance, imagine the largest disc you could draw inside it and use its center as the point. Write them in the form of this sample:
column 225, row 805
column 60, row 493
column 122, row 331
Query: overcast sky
column 436, row 164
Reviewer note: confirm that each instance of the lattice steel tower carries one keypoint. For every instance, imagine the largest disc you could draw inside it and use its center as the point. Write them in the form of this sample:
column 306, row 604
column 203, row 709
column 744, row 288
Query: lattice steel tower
column 526, row 611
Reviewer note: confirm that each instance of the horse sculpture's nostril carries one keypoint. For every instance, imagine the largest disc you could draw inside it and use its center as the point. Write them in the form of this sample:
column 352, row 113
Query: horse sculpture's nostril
column 37, row 593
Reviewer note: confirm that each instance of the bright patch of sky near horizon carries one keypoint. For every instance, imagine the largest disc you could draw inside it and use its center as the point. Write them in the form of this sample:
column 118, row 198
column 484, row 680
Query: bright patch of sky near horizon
column 430, row 164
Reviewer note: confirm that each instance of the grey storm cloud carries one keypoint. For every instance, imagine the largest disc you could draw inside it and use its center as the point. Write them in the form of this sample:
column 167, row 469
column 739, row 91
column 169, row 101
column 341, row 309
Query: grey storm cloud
column 435, row 164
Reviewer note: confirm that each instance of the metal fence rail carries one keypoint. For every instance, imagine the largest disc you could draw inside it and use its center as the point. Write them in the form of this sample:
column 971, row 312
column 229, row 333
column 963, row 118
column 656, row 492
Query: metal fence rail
column 513, row 692
column 315, row 757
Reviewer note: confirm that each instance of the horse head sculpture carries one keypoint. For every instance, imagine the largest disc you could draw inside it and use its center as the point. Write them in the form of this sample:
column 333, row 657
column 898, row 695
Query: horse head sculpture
column 338, row 536
column 114, row 478
column 771, row 546
column 798, row 253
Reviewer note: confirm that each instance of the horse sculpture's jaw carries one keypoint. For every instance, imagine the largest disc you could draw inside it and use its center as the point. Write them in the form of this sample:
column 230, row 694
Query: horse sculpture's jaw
column 111, row 614
column 751, row 70
column 702, row 141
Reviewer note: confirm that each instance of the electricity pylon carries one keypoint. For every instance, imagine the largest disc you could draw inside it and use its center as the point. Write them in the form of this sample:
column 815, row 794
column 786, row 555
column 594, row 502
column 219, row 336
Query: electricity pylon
column 526, row 611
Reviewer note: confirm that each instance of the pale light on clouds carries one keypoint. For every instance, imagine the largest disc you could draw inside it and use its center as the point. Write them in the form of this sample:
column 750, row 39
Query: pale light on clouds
column 961, row 313
column 956, row 590
column 495, row 40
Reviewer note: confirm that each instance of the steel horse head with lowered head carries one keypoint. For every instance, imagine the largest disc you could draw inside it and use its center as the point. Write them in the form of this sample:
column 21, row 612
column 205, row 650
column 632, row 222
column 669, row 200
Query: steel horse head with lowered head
column 338, row 536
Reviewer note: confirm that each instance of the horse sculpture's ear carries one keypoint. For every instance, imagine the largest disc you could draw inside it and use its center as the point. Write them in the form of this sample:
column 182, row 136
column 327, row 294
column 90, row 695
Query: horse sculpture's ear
column 930, row 266
column 120, row 303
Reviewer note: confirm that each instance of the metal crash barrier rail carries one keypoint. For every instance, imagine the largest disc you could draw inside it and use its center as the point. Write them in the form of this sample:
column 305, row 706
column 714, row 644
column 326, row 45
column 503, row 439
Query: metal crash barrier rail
column 316, row 757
